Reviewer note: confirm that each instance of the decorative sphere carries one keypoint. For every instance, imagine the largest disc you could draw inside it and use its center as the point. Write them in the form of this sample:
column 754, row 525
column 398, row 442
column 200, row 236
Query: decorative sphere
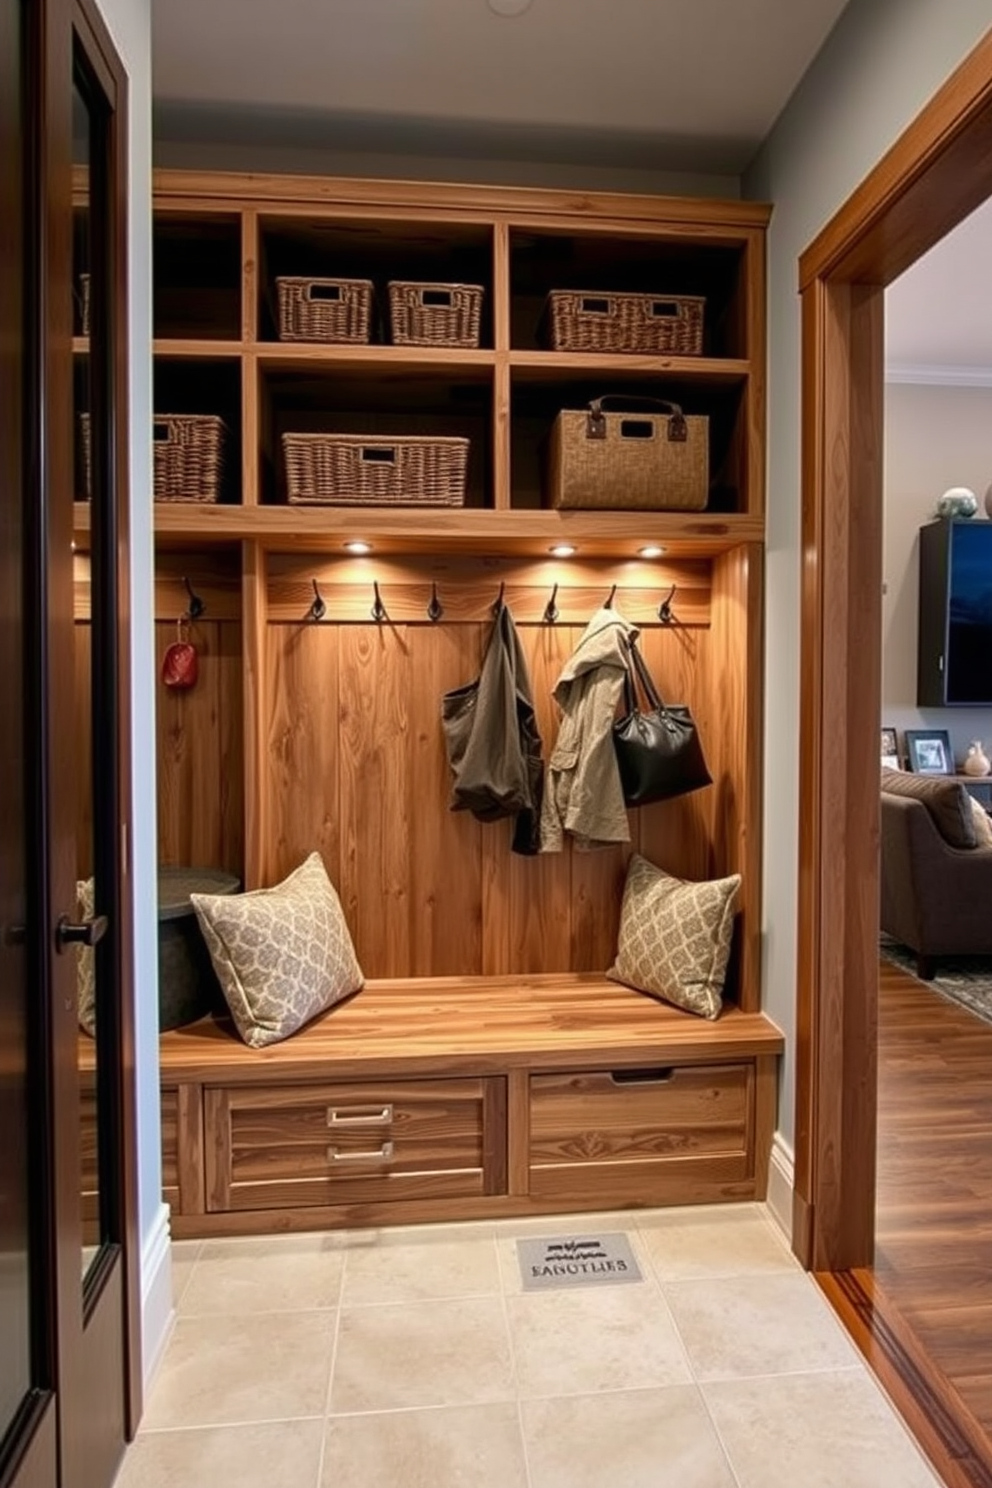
column 958, row 501
column 988, row 502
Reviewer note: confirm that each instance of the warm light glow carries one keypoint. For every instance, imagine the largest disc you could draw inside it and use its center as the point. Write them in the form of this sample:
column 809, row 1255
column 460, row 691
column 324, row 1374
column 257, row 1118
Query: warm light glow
column 562, row 550
column 358, row 547
column 651, row 551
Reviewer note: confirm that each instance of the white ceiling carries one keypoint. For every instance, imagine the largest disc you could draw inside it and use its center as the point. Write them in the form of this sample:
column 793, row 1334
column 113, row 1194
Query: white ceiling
column 702, row 79
column 938, row 315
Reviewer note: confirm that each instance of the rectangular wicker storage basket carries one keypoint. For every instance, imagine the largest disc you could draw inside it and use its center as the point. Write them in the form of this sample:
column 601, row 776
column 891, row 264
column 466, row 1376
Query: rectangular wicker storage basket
column 610, row 461
column 189, row 456
column 372, row 470
column 589, row 320
column 434, row 314
column 324, row 309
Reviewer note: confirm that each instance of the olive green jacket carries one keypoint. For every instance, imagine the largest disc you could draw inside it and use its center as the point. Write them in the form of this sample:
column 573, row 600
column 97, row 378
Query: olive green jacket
column 582, row 794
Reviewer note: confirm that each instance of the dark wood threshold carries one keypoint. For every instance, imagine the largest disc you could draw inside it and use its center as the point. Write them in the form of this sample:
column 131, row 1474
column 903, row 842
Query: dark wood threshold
column 947, row 1432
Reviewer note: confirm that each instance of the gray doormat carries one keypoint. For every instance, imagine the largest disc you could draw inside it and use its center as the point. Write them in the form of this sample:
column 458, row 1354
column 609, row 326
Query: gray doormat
column 576, row 1261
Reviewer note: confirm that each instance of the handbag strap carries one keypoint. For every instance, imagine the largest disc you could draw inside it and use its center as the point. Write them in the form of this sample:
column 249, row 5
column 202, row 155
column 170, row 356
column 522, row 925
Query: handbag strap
column 640, row 668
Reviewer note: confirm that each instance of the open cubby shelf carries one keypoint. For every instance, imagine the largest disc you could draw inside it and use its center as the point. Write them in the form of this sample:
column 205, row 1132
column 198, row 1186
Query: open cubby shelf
column 519, row 1079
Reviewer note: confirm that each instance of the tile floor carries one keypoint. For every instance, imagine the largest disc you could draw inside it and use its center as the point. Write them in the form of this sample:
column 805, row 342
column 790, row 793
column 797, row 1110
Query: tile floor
column 412, row 1358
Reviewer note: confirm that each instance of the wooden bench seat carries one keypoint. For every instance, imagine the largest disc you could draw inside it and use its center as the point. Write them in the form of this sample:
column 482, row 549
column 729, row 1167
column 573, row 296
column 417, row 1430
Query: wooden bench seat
column 465, row 1098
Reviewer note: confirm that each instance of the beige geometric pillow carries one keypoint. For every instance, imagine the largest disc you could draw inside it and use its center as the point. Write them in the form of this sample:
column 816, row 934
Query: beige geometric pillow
column 86, row 960
column 282, row 955
column 675, row 937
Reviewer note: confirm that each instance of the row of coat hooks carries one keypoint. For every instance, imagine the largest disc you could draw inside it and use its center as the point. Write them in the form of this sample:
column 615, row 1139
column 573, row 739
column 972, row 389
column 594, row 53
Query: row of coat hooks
column 435, row 609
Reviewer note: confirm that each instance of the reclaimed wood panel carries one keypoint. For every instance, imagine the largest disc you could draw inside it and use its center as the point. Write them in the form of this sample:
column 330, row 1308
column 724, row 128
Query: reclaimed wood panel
column 200, row 753
column 375, row 805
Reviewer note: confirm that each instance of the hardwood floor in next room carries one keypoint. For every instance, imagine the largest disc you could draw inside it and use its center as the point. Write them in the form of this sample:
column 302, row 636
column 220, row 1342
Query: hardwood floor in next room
column 924, row 1313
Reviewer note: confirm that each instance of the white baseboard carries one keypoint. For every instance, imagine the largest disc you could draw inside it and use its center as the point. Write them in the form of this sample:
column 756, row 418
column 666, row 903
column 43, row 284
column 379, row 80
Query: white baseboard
column 781, row 1179
column 156, row 1295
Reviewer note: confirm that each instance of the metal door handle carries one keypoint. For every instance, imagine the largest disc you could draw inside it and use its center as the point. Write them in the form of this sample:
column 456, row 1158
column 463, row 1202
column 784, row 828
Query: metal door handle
column 86, row 933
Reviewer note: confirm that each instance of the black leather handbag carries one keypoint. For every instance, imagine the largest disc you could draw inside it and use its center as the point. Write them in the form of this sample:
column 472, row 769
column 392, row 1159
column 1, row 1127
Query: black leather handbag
column 658, row 753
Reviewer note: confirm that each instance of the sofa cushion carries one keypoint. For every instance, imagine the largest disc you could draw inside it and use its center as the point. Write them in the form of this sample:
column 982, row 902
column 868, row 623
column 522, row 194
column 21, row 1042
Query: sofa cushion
column 947, row 801
column 982, row 823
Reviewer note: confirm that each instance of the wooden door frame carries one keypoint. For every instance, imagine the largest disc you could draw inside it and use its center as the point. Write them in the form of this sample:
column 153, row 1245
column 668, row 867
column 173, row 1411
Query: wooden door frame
column 937, row 172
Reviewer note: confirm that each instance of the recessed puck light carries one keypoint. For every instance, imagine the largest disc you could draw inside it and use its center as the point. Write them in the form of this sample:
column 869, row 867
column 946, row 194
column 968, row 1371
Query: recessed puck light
column 509, row 7
column 358, row 547
column 651, row 551
column 562, row 550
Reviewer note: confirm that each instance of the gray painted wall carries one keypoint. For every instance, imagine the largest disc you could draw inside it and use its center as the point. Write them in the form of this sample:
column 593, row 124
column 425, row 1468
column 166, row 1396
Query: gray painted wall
column 129, row 23
column 935, row 437
column 881, row 63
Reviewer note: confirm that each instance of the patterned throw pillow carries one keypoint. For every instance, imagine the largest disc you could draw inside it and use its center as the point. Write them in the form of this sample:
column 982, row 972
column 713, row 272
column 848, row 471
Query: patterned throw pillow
column 86, row 960
column 282, row 955
column 675, row 937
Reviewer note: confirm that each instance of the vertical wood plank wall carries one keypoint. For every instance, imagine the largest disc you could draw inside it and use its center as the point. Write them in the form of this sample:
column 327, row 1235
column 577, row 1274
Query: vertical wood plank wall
column 327, row 737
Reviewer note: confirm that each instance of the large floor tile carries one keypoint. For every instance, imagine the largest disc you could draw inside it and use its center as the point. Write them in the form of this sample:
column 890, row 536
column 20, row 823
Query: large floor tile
column 285, row 1273
column 770, row 1325
column 631, row 1439
column 687, row 1244
column 284, row 1454
column 417, row 1265
column 422, row 1353
column 607, row 1338
column 819, row 1431
column 475, row 1446
column 226, row 1369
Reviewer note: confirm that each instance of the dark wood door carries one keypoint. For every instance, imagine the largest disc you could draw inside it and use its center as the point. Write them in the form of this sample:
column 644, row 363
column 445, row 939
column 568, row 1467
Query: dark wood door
column 69, row 1356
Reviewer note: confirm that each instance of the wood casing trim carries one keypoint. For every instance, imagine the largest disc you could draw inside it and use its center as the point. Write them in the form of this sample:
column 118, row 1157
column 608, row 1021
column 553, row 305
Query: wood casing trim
column 933, row 176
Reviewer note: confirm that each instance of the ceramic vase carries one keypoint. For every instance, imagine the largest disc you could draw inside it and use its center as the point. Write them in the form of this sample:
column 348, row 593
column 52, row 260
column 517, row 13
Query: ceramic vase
column 976, row 760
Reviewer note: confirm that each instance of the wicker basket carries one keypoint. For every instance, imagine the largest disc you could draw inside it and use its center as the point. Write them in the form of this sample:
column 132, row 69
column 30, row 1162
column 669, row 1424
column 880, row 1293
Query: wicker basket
column 371, row 470
column 629, row 461
column 189, row 456
column 324, row 309
column 588, row 320
column 434, row 314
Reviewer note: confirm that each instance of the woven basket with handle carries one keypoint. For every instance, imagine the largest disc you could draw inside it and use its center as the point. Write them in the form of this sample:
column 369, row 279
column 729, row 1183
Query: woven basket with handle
column 189, row 456
column 374, row 470
column 652, row 457
column 324, row 309
column 589, row 320
column 434, row 314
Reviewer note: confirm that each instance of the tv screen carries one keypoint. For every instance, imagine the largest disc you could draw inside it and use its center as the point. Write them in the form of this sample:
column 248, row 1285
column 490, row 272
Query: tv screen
column 969, row 623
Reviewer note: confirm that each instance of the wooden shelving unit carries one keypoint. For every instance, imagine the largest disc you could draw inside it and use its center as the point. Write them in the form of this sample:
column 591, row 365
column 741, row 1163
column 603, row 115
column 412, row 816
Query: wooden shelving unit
column 303, row 735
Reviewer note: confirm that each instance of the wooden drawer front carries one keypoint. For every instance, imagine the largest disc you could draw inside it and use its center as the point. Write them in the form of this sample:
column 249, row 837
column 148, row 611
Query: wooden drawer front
column 613, row 1133
column 170, row 1148
column 284, row 1146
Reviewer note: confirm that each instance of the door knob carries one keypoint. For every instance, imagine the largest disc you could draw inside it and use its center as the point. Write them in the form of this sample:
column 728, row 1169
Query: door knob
column 86, row 933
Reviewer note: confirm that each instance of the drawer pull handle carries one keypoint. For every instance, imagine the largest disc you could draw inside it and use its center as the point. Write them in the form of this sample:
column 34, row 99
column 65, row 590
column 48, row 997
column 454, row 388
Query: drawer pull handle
column 375, row 1116
column 642, row 1076
column 380, row 1154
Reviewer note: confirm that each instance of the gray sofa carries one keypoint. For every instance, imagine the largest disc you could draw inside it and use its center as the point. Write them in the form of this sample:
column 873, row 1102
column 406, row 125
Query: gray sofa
column 936, row 881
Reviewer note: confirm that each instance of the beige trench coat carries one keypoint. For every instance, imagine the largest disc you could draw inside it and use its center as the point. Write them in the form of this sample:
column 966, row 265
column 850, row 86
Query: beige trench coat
column 582, row 792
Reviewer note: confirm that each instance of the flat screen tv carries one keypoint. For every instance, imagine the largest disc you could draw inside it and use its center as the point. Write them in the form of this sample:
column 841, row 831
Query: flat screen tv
column 955, row 640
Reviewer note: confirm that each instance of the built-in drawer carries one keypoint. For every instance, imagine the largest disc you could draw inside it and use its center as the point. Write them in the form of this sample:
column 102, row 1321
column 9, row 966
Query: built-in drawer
column 286, row 1146
column 90, row 1161
column 626, row 1134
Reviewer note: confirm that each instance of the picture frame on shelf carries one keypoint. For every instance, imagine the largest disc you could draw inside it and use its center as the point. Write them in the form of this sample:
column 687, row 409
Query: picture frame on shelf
column 929, row 751
column 890, row 749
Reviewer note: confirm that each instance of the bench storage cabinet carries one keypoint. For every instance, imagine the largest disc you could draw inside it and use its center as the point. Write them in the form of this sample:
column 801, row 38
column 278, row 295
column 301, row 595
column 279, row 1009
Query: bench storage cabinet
column 597, row 1097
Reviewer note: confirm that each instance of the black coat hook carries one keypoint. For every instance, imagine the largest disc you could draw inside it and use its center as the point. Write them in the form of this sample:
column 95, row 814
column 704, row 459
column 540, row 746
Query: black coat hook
column 665, row 613
column 551, row 609
column 499, row 598
column 378, row 608
column 194, row 604
column 613, row 594
column 318, row 609
column 435, row 609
